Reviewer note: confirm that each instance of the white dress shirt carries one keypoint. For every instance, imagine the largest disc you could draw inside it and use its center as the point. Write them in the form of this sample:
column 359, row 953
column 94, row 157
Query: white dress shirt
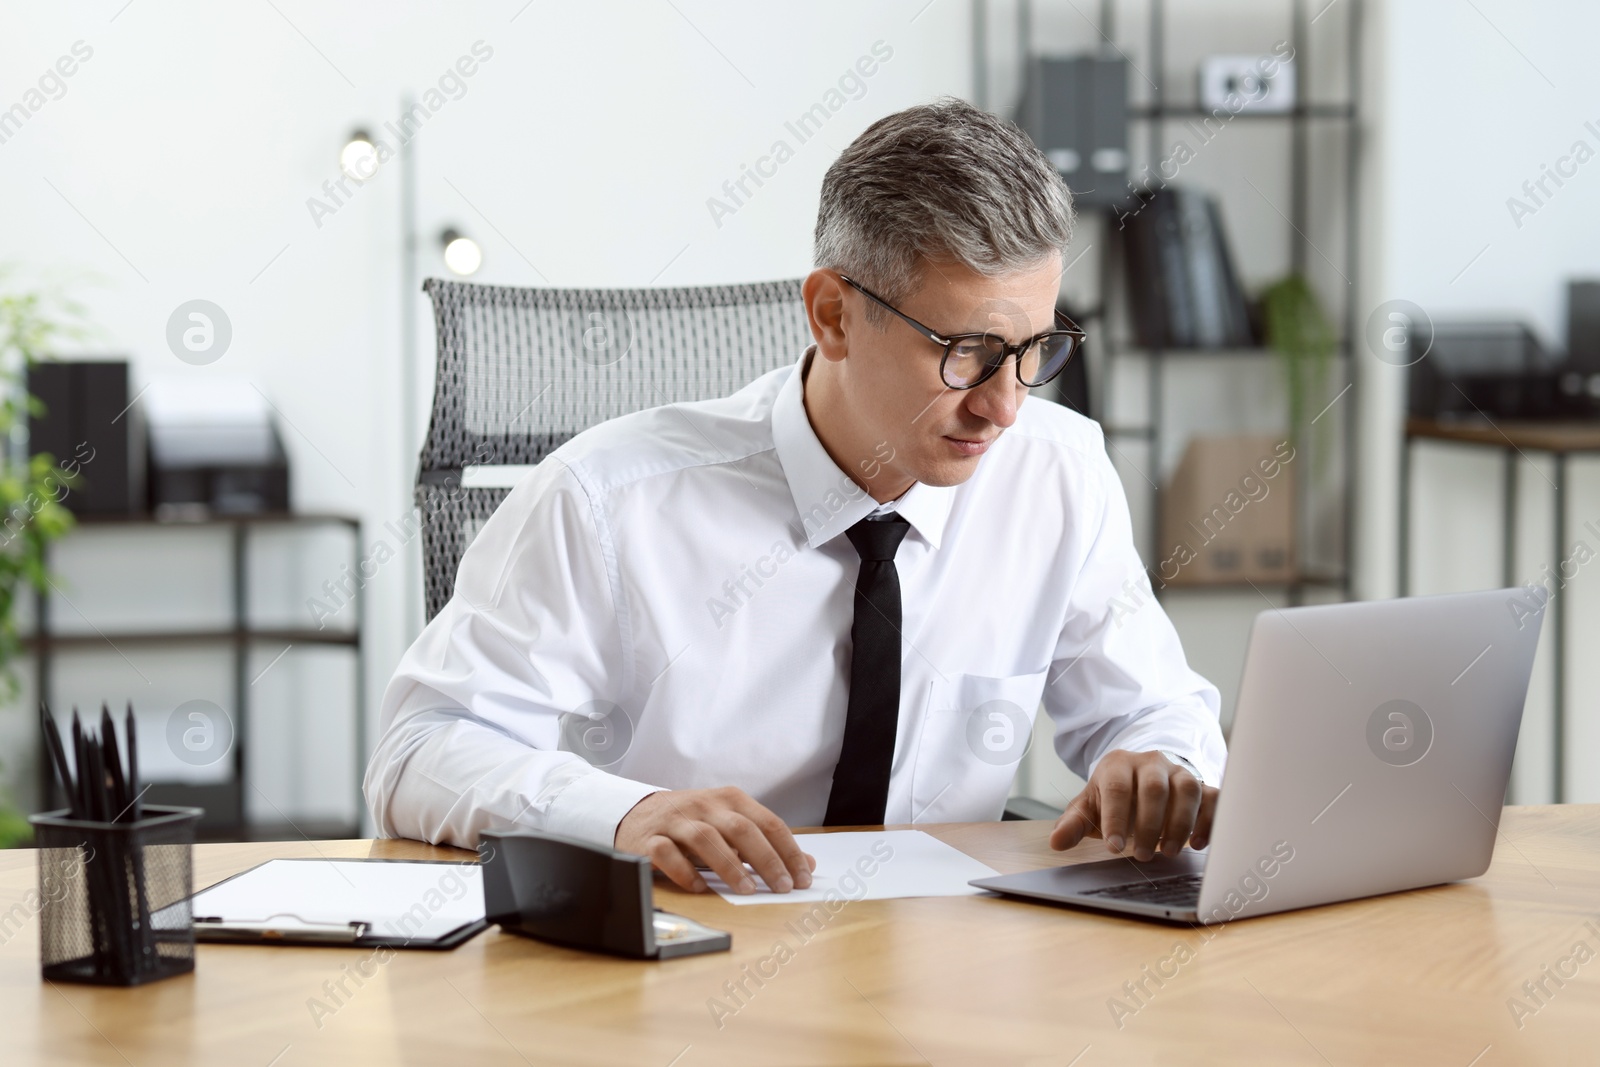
column 681, row 571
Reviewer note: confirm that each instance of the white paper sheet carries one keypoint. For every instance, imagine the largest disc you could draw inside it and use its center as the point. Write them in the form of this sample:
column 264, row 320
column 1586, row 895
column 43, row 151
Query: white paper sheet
column 397, row 898
column 873, row 865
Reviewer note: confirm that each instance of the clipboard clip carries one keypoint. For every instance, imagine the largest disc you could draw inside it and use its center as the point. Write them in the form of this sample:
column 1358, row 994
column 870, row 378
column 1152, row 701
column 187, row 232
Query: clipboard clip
column 307, row 930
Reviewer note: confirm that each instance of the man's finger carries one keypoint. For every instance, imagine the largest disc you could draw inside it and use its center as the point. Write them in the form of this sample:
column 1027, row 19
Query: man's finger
column 1183, row 805
column 781, row 839
column 1150, row 812
column 1076, row 823
column 669, row 859
column 1116, row 803
column 1202, row 823
column 754, row 848
column 708, row 844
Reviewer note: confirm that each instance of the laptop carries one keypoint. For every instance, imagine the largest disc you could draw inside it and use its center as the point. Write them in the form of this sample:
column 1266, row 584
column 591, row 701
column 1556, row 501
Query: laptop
column 1370, row 753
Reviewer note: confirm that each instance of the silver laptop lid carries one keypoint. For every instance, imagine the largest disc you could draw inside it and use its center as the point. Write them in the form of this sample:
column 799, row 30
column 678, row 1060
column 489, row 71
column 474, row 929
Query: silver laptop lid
column 1370, row 751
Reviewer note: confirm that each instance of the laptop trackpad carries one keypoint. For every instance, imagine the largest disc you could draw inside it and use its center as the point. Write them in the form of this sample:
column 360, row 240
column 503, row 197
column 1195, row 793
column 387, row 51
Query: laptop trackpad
column 1077, row 878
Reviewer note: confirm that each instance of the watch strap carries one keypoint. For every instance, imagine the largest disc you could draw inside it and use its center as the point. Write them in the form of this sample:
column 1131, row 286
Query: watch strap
column 1183, row 762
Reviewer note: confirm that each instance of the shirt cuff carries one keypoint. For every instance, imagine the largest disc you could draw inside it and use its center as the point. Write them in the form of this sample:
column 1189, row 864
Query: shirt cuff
column 591, row 806
column 1194, row 749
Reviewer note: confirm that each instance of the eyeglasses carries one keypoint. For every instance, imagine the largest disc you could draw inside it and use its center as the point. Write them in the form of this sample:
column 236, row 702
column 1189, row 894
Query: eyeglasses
column 970, row 359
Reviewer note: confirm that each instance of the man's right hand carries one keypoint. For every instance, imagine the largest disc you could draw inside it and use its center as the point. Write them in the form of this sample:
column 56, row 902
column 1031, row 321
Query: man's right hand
column 722, row 829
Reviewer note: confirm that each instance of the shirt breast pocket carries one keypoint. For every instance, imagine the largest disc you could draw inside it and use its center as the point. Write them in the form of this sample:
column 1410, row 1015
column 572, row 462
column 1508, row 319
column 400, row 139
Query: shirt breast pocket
column 975, row 731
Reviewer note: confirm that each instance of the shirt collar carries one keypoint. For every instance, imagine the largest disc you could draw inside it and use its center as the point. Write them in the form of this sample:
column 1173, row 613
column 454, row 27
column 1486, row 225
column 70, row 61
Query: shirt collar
column 827, row 499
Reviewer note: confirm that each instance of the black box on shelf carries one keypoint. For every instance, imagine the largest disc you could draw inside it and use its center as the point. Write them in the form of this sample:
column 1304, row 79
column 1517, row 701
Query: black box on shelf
column 1583, row 327
column 1494, row 370
column 86, row 426
column 1076, row 110
column 1580, row 377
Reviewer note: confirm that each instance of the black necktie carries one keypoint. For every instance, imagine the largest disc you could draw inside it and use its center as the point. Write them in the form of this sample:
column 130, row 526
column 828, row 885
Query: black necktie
column 861, row 780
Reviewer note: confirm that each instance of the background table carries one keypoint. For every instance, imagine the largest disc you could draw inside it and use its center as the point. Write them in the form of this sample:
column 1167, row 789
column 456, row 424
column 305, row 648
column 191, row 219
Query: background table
column 1514, row 440
column 1414, row 978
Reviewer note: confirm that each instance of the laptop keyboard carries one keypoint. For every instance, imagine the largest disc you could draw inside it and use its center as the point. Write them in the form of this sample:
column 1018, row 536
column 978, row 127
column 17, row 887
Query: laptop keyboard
column 1173, row 889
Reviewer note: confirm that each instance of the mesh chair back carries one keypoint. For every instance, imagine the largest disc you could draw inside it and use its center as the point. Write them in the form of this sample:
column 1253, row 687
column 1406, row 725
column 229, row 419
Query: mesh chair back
column 520, row 371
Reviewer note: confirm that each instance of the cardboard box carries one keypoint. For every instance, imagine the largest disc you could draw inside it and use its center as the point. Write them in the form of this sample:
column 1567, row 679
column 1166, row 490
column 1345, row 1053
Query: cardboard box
column 1228, row 513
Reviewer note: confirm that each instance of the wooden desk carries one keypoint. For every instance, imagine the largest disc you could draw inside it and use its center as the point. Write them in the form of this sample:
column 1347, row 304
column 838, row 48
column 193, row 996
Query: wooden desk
column 1415, row 978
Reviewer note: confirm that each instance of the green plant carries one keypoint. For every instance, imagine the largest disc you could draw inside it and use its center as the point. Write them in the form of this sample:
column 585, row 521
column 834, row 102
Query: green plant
column 31, row 487
column 1298, row 330
column 14, row 828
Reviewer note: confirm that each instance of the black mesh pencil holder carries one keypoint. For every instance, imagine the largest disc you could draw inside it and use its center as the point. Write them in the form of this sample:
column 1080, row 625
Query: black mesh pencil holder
column 116, row 896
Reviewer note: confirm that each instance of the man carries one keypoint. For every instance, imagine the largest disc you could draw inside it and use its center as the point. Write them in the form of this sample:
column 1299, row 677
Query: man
column 835, row 597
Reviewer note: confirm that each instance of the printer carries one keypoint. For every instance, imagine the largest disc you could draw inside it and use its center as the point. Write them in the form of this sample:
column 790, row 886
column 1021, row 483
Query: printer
column 212, row 448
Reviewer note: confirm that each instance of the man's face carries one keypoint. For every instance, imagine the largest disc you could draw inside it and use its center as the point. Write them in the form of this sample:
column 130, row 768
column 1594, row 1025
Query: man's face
column 893, row 387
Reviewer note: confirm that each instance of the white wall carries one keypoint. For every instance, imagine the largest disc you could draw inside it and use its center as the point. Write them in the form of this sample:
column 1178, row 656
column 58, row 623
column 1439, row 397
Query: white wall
column 178, row 165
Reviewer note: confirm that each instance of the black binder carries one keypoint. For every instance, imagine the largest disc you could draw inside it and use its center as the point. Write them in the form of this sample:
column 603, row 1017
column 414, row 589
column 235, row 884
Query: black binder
column 1182, row 285
column 87, row 419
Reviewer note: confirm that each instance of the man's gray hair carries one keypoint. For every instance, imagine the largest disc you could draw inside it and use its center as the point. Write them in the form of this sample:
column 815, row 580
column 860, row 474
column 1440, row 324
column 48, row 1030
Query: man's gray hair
column 939, row 181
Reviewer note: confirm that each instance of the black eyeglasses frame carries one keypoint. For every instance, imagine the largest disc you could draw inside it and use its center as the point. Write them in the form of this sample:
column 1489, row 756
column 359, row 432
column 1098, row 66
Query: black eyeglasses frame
column 1063, row 325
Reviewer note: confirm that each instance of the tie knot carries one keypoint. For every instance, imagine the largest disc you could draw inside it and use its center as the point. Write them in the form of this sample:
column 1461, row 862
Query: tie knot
column 877, row 540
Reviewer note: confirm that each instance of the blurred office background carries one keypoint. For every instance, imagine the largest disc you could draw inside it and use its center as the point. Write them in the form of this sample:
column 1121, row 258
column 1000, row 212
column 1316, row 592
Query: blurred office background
column 163, row 160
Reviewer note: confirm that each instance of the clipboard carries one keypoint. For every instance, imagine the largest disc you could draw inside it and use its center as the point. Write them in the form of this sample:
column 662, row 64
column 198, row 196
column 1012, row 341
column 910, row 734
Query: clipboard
column 359, row 903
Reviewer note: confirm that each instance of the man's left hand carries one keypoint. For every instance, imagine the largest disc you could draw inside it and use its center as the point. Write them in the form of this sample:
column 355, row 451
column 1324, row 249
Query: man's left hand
column 1139, row 798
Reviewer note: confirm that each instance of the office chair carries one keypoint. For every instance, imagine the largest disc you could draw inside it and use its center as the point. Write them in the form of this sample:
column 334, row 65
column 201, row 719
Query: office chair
column 520, row 371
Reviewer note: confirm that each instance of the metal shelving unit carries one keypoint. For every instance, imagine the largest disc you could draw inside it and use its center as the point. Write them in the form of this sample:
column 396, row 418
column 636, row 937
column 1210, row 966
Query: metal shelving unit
column 1154, row 116
column 224, row 802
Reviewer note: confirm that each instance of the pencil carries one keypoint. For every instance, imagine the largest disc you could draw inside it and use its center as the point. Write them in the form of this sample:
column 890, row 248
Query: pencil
column 58, row 755
column 147, row 953
column 133, row 764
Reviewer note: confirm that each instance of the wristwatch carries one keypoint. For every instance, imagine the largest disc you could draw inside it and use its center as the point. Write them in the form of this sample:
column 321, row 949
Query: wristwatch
column 1184, row 763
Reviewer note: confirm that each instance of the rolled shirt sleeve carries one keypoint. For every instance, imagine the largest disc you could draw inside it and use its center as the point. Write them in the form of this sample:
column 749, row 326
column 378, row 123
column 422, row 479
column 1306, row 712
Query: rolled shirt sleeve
column 1119, row 679
column 472, row 718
